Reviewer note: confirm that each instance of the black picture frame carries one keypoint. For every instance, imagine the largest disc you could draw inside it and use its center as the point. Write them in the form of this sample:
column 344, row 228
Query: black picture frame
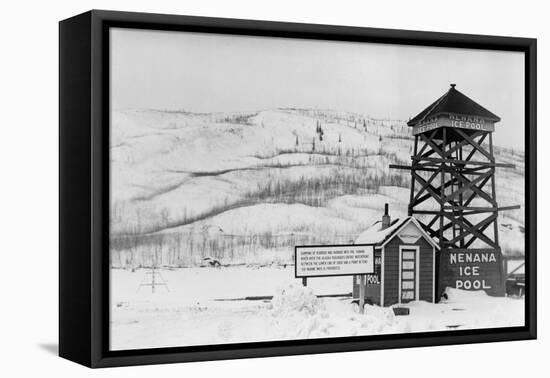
column 84, row 187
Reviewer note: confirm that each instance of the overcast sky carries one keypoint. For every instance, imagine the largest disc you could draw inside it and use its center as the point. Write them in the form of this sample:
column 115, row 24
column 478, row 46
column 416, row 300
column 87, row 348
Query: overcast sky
column 218, row 73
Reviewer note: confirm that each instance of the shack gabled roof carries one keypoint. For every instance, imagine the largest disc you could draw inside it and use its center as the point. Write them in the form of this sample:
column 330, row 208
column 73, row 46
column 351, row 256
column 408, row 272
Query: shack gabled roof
column 380, row 237
column 454, row 102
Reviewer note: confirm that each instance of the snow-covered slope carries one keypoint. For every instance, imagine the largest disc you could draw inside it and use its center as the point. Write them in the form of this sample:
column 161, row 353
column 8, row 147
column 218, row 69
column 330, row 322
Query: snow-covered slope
column 247, row 187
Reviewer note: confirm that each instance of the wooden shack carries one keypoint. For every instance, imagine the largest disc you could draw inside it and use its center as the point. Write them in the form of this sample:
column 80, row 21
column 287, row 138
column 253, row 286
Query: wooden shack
column 404, row 263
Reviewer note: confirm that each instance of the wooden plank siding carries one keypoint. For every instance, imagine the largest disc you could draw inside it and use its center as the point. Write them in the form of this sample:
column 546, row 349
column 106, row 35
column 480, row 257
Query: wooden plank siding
column 391, row 272
column 426, row 266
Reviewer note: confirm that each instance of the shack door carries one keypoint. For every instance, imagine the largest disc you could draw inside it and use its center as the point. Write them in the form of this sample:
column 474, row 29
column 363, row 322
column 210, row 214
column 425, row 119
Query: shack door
column 409, row 274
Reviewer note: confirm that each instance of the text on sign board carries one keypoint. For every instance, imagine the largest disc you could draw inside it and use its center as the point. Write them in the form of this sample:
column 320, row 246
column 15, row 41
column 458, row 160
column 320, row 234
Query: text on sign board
column 334, row 260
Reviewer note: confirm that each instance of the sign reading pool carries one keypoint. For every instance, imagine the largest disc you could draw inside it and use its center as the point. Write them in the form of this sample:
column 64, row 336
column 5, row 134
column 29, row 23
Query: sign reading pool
column 336, row 260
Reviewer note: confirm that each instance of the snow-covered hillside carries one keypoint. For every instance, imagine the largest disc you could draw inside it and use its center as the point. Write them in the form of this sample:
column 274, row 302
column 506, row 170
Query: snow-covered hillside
column 246, row 188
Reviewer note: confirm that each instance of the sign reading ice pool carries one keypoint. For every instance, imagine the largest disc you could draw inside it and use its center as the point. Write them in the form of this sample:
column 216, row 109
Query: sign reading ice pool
column 336, row 260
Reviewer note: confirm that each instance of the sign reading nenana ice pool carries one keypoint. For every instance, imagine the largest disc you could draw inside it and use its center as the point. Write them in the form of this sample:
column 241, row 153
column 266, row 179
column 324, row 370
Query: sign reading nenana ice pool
column 337, row 260
column 472, row 269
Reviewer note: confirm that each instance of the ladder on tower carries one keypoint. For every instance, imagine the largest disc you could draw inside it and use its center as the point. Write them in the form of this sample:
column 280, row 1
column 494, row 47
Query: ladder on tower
column 457, row 203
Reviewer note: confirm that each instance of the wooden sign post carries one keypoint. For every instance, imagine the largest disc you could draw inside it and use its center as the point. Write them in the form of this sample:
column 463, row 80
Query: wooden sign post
column 362, row 279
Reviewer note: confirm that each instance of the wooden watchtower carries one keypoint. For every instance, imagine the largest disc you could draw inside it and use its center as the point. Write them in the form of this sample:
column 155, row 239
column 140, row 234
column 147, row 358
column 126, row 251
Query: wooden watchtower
column 453, row 191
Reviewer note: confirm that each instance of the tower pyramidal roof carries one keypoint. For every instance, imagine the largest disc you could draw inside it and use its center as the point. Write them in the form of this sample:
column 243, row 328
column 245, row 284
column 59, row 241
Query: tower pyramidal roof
column 454, row 102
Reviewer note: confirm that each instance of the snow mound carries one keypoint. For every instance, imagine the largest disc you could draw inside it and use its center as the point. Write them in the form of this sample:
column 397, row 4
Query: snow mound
column 295, row 298
column 457, row 295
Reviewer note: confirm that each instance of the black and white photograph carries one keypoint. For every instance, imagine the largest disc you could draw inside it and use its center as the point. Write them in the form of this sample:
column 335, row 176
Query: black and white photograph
column 267, row 189
column 274, row 189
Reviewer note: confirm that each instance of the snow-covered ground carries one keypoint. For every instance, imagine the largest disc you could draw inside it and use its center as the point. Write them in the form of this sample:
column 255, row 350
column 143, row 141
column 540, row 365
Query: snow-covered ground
column 203, row 306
